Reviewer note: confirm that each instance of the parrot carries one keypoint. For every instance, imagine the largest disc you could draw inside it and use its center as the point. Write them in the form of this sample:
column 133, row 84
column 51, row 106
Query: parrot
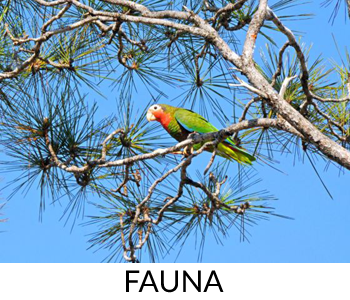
column 180, row 122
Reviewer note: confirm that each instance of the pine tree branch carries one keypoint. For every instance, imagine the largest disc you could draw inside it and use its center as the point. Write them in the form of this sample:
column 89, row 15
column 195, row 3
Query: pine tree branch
column 195, row 139
column 279, row 64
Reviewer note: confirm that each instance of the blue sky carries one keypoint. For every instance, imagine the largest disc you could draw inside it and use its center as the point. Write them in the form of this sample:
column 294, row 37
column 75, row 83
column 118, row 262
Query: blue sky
column 319, row 231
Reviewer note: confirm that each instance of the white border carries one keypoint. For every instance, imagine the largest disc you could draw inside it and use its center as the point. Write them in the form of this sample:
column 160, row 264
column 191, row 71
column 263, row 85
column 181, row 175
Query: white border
column 239, row 281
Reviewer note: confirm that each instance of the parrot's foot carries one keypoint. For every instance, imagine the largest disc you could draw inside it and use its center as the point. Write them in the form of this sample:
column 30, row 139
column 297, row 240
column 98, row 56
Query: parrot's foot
column 188, row 150
column 177, row 152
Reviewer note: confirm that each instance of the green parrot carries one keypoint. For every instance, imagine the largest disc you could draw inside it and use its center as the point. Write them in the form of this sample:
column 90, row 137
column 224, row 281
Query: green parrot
column 180, row 122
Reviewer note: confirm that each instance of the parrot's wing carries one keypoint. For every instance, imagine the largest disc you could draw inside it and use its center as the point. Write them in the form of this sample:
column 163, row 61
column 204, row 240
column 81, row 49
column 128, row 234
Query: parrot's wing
column 192, row 121
column 231, row 142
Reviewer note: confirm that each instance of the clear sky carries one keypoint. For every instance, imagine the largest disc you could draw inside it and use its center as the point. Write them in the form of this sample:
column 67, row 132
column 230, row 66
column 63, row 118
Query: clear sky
column 318, row 233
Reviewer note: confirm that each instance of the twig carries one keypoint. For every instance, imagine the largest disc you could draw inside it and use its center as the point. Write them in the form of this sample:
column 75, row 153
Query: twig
column 211, row 161
column 280, row 63
column 107, row 139
column 249, row 87
column 285, row 84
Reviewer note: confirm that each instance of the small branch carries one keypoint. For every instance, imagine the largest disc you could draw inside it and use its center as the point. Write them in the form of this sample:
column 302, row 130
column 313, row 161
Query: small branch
column 216, row 202
column 122, row 236
column 53, row 154
column 249, row 87
column 211, row 161
column 174, row 38
column 340, row 138
column 141, row 44
column 280, row 63
column 144, row 240
column 334, row 100
column 246, row 108
column 107, row 139
column 218, row 184
column 327, row 117
column 196, row 59
column 172, row 200
column 115, row 28
column 56, row 17
column 345, row 99
column 227, row 10
column 208, row 7
column 124, row 182
column 285, row 84
column 122, row 58
column 244, row 113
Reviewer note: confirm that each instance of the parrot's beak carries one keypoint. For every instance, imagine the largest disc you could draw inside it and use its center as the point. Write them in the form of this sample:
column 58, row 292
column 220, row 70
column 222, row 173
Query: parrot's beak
column 150, row 116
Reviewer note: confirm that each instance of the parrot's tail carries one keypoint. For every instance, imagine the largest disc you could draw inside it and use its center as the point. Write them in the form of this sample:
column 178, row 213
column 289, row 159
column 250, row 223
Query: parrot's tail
column 230, row 151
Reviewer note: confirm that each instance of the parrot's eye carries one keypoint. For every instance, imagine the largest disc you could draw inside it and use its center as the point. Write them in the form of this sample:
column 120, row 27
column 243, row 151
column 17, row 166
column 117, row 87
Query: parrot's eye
column 155, row 107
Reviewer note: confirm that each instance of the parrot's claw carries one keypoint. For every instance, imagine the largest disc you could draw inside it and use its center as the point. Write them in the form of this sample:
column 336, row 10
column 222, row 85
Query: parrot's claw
column 177, row 152
column 187, row 151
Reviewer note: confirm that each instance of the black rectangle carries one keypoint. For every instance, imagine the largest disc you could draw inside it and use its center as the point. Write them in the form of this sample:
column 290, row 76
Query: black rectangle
column 175, row 281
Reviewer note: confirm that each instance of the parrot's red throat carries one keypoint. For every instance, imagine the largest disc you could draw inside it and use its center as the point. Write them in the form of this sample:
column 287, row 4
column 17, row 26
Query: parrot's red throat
column 163, row 118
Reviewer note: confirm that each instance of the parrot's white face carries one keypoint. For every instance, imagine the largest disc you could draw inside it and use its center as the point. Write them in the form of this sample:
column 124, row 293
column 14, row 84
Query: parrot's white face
column 154, row 110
